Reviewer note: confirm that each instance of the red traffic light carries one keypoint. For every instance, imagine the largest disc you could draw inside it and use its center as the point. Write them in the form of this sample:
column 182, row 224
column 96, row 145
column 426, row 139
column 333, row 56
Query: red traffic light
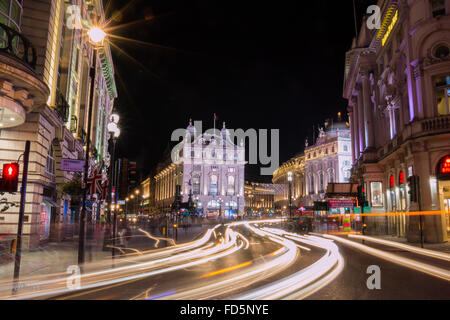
column 10, row 177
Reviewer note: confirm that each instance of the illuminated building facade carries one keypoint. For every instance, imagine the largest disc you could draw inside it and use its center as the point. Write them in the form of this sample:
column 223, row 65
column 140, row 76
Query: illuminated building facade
column 296, row 165
column 44, row 99
column 328, row 160
column 210, row 167
column 259, row 197
column 397, row 82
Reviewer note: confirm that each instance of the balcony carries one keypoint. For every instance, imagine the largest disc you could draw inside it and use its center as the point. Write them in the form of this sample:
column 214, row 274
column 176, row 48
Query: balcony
column 21, row 88
column 62, row 107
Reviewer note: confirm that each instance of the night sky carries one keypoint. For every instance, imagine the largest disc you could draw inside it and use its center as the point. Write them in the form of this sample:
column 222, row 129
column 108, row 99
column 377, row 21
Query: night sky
column 256, row 64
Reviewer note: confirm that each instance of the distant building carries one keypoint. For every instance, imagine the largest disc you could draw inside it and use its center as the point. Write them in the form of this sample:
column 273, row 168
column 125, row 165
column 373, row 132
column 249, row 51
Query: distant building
column 259, row 197
column 328, row 160
column 296, row 165
column 208, row 166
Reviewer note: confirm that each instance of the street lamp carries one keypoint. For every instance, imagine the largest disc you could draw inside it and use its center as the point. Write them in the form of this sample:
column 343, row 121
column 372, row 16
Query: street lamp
column 96, row 37
column 114, row 132
column 290, row 193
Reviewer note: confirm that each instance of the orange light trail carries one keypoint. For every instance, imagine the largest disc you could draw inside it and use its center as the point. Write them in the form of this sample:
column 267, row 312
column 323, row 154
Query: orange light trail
column 242, row 265
column 390, row 214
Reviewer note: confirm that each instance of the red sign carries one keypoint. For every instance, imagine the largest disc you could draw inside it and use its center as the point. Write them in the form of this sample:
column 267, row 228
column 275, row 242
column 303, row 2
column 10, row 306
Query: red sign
column 342, row 203
column 401, row 178
column 445, row 166
column 392, row 182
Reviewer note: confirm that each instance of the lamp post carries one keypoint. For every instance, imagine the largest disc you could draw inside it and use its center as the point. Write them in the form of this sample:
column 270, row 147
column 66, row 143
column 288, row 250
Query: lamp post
column 126, row 209
column 137, row 201
column 114, row 132
column 290, row 193
column 96, row 36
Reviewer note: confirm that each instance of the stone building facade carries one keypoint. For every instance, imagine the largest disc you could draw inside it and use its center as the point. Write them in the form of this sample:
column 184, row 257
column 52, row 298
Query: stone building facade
column 328, row 160
column 259, row 198
column 210, row 167
column 397, row 82
column 296, row 165
column 45, row 98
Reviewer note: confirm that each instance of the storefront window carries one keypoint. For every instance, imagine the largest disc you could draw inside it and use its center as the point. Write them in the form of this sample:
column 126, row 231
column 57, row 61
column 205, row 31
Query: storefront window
column 196, row 185
column 376, row 194
column 213, row 186
column 230, row 189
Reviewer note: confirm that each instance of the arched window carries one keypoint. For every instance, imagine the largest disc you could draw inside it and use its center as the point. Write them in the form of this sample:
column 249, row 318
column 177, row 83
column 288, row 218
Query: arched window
column 213, row 185
column 311, row 181
column 321, row 183
column 331, row 176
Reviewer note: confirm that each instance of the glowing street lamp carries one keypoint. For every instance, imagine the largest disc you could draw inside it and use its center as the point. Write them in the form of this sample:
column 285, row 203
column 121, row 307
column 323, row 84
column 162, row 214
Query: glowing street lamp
column 96, row 37
column 290, row 193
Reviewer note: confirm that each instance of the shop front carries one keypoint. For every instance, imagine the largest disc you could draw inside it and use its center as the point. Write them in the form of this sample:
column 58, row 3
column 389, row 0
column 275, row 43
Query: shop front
column 443, row 178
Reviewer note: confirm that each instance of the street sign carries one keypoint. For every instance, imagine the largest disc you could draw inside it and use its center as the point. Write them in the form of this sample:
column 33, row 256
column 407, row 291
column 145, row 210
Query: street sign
column 72, row 165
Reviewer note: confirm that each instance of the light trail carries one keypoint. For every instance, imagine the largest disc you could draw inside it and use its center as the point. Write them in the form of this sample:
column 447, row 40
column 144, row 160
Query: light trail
column 409, row 263
column 425, row 252
column 305, row 282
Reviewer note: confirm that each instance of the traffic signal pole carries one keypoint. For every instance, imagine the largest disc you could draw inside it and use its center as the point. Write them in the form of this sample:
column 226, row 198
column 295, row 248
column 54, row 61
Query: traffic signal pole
column 419, row 200
column 23, row 190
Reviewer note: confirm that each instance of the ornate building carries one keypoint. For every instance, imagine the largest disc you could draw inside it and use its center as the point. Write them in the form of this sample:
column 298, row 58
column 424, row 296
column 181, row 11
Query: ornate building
column 44, row 99
column 397, row 82
column 259, row 197
column 296, row 165
column 328, row 160
column 208, row 166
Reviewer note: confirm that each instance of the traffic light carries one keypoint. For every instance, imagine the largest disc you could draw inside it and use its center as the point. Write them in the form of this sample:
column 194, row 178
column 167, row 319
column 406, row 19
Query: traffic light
column 10, row 177
column 413, row 185
column 362, row 196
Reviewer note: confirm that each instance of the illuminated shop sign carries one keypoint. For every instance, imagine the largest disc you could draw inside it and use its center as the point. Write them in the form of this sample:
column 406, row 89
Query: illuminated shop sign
column 390, row 28
column 445, row 165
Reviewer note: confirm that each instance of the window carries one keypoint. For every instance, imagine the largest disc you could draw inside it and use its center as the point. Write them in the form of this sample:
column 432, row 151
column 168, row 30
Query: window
column 442, row 84
column 196, row 185
column 345, row 148
column 230, row 188
column 213, row 185
column 321, row 184
column 311, row 180
column 441, row 52
column 50, row 164
column 331, row 176
column 376, row 194
column 438, row 8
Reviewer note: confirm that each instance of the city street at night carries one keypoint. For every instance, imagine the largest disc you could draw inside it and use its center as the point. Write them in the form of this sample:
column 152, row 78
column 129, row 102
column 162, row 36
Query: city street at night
column 225, row 159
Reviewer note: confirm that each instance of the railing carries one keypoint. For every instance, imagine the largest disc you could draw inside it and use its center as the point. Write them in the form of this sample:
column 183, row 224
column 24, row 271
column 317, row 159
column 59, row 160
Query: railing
column 73, row 123
column 440, row 123
column 62, row 107
column 13, row 43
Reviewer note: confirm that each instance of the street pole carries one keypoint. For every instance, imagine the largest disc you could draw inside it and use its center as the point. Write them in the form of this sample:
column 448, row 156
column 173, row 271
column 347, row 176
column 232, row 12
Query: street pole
column 113, row 200
column 420, row 209
column 290, row 200
column 86, row 162
column 23, row 190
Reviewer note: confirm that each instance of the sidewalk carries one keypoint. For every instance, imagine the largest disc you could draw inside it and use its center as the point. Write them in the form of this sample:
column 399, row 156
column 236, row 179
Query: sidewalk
column 56, row 257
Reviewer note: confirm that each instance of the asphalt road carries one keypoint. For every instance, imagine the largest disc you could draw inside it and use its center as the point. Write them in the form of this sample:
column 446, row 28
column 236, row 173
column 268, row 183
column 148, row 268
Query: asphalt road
column 253, row 261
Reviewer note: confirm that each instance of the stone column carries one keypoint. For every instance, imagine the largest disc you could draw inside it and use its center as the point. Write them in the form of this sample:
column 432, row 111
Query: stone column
column 352, row 131
column 418, row 76
column 361, row 116
column 355, row 132
column 368, row 110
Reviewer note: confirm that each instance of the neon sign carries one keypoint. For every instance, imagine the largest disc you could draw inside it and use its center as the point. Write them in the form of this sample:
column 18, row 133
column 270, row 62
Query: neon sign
column 390, row 28
column 445, row 166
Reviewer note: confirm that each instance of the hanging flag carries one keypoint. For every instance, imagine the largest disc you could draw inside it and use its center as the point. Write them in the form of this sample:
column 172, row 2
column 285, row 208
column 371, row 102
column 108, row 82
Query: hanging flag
column 95, row 181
